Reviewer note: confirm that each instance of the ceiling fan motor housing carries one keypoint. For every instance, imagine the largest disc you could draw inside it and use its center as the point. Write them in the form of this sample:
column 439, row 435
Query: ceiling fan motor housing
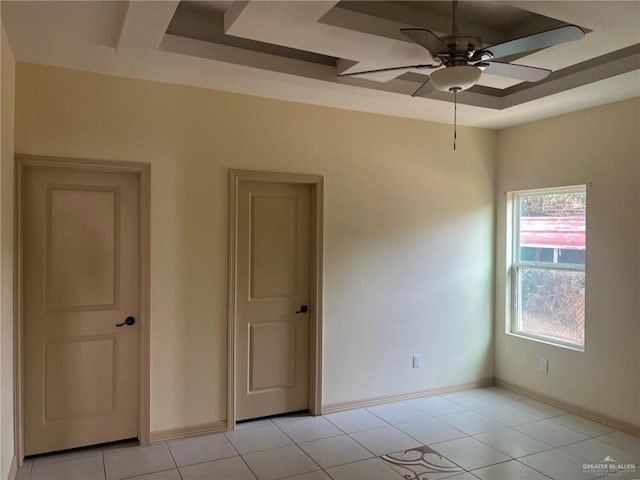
column 458, row 74
column 463, row 45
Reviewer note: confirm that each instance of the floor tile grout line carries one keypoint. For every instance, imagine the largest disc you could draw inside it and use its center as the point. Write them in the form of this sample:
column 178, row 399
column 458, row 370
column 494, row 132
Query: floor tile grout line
column 469, row 470
column 251, row 428
column 476, row 392
column 282, row 446
column 404, row 403
column 232, row 445
column 248, row 466
column 329, row 475
column 296, row 474
column 546, row 451
column 617, row 446
column 554, row 446
column 363, row 446
column 560, row 447
column 238, row 451
column 373, row 455
column 151, row 473
column 288, row 436
column 529, row 466
column 551, row 419
column 496, row 421
column 376, row 415
column 486, row 466
column 464, row 434
column 519, row 424
column 174, row 459
column 115, row 450
column 321, row 438
column 537, row 414
column 578, row 431
column 502, row 405
column 551, row 447
column 262, row 449
column 581, row 441
column 225, row 457
column 104, row 465
column 305, row 454
column 200, row 463
column 365, row 409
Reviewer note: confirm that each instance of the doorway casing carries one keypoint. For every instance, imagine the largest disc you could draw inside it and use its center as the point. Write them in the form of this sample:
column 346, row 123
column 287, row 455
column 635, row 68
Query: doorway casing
column 143, row 173
column 316, row 182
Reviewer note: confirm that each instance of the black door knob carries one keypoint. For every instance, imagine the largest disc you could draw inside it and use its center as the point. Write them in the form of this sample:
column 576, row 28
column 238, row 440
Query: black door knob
column 127, row 321
column 303, row 309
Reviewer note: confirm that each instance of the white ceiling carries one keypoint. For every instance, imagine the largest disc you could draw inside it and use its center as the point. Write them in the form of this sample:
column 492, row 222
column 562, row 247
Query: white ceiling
column 293, row 50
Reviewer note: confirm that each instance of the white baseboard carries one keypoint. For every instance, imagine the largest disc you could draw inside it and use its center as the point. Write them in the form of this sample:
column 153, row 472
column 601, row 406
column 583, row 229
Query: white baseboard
column 338, row 407
column 185, row 432
column 221, row 426
column 160, row 436
column 570, row 407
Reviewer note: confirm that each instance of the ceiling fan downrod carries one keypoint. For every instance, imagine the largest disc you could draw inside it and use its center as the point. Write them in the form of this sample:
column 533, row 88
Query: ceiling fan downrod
column 454, row 18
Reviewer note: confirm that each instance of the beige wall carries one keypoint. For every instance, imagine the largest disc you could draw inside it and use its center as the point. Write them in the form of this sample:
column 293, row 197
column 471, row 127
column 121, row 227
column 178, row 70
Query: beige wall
column 7, row 81
column 408, row 228
column 599, row 146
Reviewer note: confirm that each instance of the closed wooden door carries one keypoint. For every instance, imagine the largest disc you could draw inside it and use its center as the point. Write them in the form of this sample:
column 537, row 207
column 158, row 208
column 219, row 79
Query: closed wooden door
column 80, row 279
column 272, row 326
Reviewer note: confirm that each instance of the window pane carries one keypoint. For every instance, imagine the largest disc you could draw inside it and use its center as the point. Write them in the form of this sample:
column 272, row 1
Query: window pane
column 551, row 303
column 531, row 254
column 552, row 228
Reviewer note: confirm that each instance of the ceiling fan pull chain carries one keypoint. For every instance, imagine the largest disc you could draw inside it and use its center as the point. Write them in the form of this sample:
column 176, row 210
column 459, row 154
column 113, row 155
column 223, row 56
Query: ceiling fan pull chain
column 455, row 119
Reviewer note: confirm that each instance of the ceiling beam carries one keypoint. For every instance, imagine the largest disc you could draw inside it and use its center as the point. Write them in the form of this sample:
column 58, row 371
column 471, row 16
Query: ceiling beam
column 145, row 24
column 299, row 25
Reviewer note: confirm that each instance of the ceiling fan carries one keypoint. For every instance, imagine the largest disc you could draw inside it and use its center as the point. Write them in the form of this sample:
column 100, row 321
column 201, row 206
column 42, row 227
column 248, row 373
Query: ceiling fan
column 464, row 58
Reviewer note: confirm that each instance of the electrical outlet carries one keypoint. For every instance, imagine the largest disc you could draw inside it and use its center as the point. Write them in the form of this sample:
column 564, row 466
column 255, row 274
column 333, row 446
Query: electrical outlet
column 544, row 365
column 416, row 361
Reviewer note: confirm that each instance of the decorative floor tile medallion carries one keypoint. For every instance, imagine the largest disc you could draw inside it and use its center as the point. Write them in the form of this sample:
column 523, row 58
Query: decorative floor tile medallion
column 421, row 463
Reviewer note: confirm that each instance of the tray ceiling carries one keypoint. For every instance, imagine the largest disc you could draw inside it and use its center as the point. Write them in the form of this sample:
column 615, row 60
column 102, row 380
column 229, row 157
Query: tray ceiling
column 293, row 50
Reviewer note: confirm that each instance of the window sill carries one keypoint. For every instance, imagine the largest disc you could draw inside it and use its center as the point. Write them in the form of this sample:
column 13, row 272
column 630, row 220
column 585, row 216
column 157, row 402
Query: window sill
column 546, row 342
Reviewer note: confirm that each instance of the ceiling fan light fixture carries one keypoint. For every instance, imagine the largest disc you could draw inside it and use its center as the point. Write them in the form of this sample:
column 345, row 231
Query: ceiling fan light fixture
column 455, row 79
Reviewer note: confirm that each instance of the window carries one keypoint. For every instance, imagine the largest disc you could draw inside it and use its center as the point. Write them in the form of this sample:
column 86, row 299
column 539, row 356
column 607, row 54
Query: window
column 548, row 265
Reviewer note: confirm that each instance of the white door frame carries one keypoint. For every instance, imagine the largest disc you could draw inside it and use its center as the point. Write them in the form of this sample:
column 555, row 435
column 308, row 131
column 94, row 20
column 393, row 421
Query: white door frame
column 143, row 172
column 315, row 342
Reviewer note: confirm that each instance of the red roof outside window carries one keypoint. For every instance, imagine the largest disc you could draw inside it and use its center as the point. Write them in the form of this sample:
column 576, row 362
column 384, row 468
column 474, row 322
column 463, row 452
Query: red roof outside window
column 553, row 232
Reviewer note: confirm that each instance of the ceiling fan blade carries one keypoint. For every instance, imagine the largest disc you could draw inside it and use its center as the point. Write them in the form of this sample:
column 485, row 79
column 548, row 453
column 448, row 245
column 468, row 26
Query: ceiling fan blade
column 390, row 69
column 513, row 70
column 423, row 90
column 427, row 39
column 556, row 36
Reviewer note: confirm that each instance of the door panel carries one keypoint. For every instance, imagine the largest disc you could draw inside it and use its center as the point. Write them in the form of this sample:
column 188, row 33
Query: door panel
column 273, row 239
column 272, row 370
column 80, row 278
column 272, row 355
column 83, row 248
column 86, row 366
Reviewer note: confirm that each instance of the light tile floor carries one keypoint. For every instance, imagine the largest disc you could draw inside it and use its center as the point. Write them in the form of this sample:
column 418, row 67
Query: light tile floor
column 490, row 433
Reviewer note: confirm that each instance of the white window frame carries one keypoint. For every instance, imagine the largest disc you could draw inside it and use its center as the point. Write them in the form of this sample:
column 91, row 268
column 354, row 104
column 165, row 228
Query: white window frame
column 517, row 265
